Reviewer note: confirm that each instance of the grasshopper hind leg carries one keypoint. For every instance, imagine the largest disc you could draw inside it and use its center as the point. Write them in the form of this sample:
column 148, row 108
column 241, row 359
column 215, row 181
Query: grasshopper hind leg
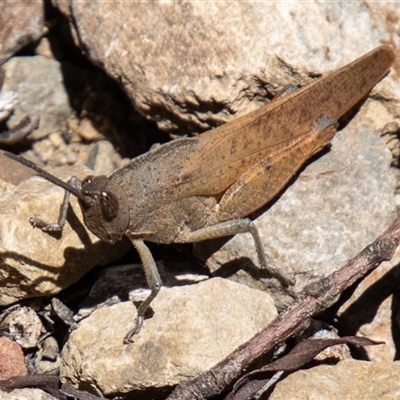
column 243, row 225
column 269, row 175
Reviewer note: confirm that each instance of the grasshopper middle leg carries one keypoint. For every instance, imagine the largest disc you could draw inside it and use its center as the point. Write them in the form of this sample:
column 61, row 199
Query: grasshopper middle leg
column 153, row 280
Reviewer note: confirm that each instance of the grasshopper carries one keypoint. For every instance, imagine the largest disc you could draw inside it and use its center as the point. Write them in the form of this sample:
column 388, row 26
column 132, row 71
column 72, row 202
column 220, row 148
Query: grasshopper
column 199, row 188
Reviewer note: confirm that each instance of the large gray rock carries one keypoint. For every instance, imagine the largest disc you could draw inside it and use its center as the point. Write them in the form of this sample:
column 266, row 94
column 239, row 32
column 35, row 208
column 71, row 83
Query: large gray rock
column 26, row 394
column 350, row 379
column 372, row 311
column 190, row 66
column 41, row 91
column 34, row 263
column 11, row 359
column 193, row 328
column 21, row 24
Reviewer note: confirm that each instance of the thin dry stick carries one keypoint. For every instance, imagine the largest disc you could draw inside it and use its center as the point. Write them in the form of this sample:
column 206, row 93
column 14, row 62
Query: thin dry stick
column 315, row 299
column 19, row 132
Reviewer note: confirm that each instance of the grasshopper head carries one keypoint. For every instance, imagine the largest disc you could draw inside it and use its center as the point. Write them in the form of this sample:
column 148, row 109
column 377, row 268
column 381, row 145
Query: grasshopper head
column 104, row 203
column 105, row 208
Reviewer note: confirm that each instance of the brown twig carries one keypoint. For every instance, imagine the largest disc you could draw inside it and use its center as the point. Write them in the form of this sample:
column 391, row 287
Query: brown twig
column 48, row 383
column 303, row 353
column 20, row 132
column 68, row 390
column 315, row 299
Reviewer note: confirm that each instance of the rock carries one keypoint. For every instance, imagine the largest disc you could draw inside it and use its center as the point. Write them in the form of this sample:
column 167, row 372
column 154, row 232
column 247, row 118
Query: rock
column 11, row 359
column 34, row 263
column 193, row 328
column 192, row 66
column 77, row 106
column 12, row 174
column 36, row 86
column 41, row 91
column 88, row 132
column 116, row 281
column 349, row 379
column 47, row 360
column 24, row 326
column 8, row 100
column 103, row 158
column 26, row 394
column 21, row 24
column 44, row 48
column 338, row 205
column 332, row 353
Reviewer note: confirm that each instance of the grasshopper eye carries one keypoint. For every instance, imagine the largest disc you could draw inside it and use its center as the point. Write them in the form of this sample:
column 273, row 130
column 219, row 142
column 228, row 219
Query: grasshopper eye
column 108, row 204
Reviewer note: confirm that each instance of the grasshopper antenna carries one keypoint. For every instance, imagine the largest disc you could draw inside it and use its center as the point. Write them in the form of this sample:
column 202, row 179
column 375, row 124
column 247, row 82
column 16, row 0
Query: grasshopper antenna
column 44, row 174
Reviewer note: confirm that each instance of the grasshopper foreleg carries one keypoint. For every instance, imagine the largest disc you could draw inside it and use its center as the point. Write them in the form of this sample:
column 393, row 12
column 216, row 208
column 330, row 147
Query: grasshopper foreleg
column 62, row 218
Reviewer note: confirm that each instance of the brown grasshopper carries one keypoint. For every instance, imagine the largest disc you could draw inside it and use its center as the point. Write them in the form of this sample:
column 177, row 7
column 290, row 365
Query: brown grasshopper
column 199, row 188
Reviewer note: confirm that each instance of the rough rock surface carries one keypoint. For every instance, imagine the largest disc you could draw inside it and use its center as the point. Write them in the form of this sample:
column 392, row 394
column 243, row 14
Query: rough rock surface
column 8, row 101
column 349, row 379
column 34, row 263
column 191, row 66
column 24, row 326
column 21, row 23
column 372, row 311
column 11, row 359
column 26, row 394
column 119, row 282
column 193, row 328
column 41, row 91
